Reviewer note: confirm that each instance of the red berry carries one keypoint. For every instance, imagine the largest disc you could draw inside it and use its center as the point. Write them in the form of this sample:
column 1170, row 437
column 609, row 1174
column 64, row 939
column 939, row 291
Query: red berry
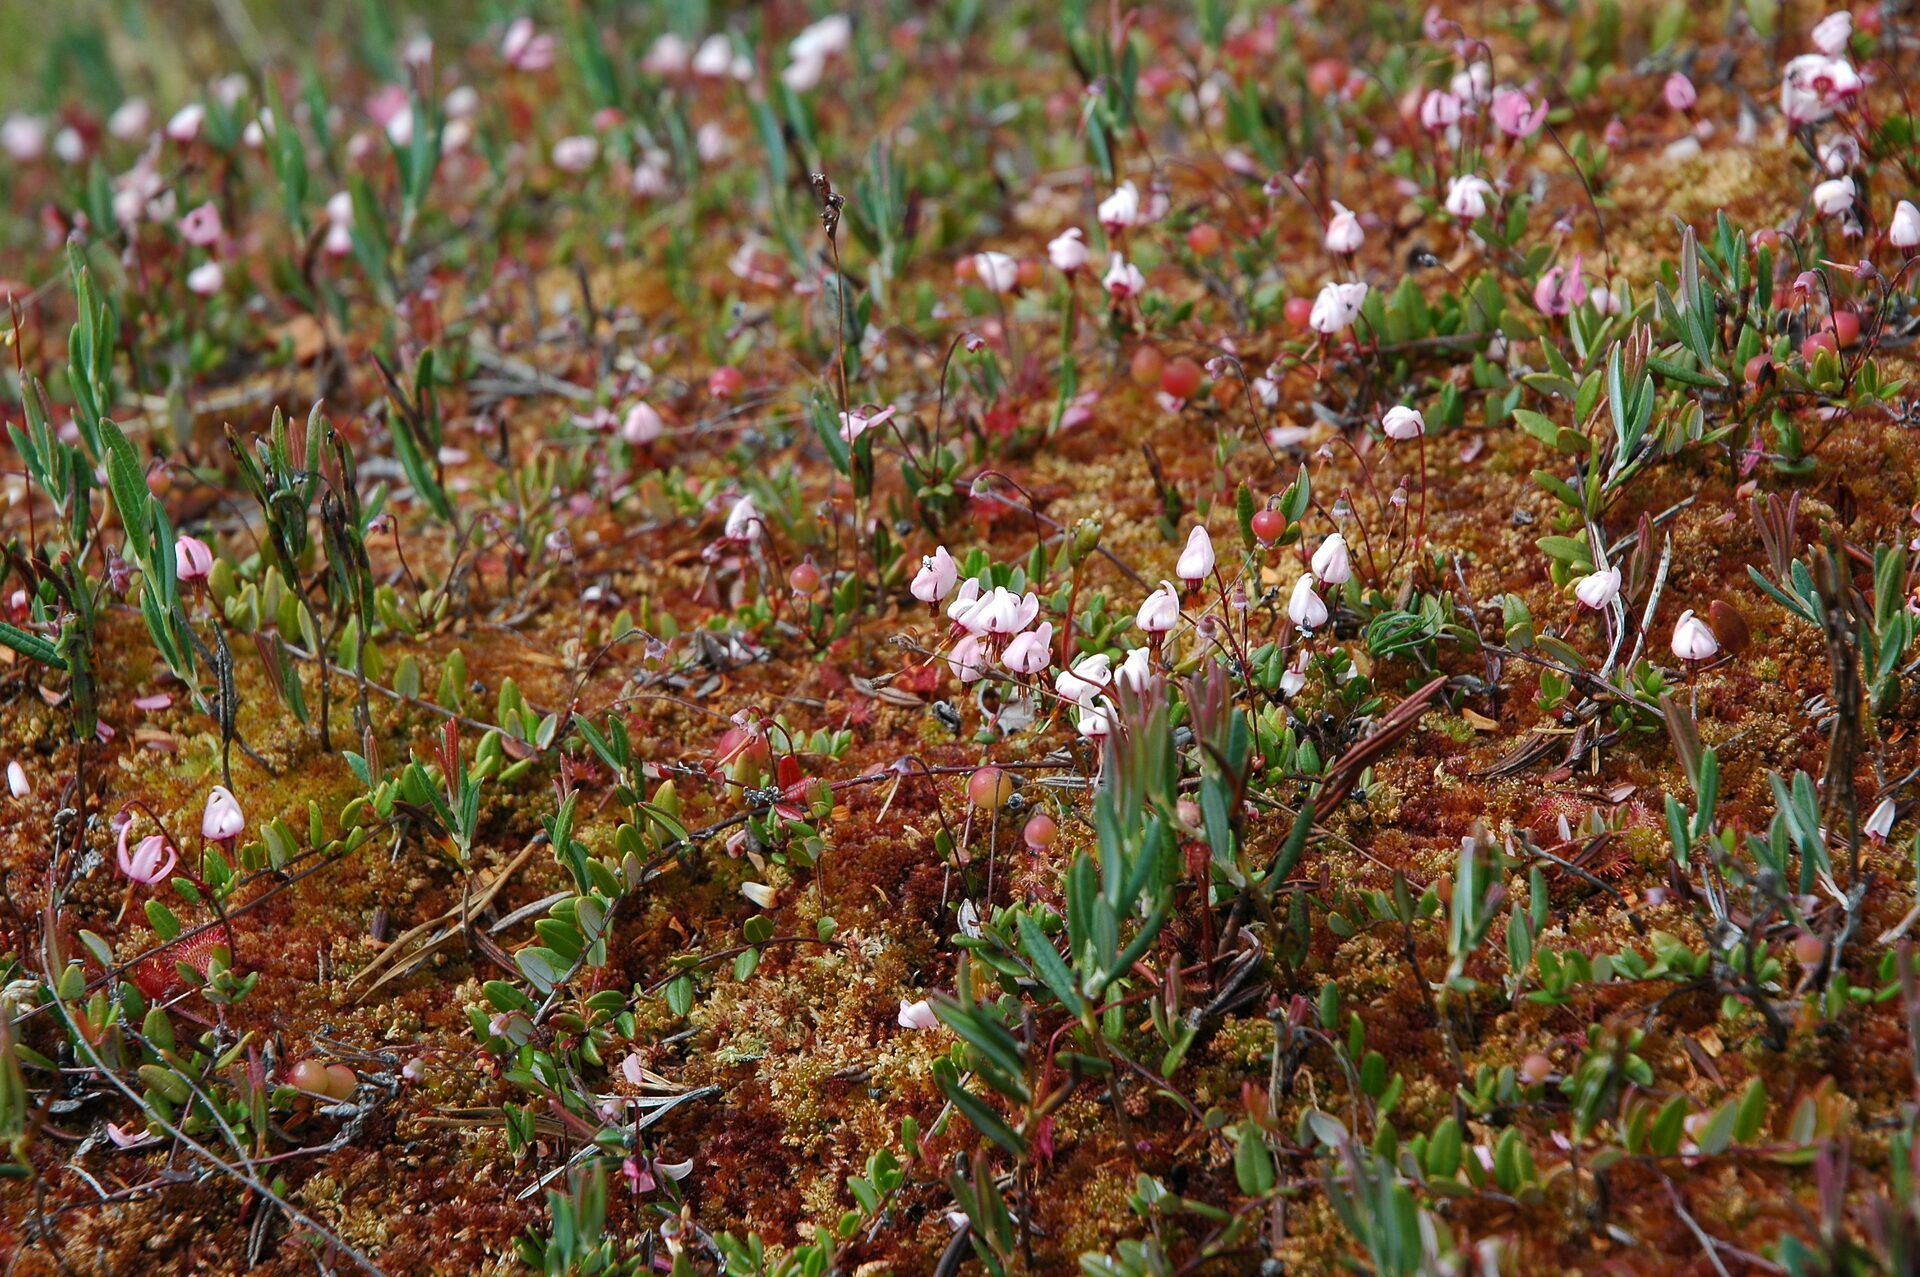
column 309, row 1075
column 1040, row 831
column 1180, row 377
column 1029, row 273
column 1325, row 76
column 1536, row 1068
column 725, row 382
column 1844, row 325
column 1757, row 368
column 1807, row 948
column 1203, row 239
column 1268, row 525
column 1299, row 311
column 340, row 1081
column 1146, row 365
column 989, row 788
column 805, row 578
column 1817, row 342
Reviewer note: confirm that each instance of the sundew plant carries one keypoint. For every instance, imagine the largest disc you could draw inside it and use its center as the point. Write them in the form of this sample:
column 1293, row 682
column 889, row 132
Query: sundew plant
column 946, row 637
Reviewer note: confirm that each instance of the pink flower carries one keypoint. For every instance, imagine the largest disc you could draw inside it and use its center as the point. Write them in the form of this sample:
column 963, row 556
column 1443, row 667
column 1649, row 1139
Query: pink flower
column 192, row 559
column 151, row 859
column 1560, row 289
column 743, row 521
column 1439, row 111
column 642, row 424
column 1467, row 196
column 575, row 154
column 1123, row 279
column 1814, row 86
column 184, row 126
column 524, row 48
column 1197, row 559
column 1344, row 235
column 1002, row 612
column 1679, row 92
column 1832, row 33
column 997, row 272
column 1120, row 209
column 223, row 821
column 1031, row 652
column 1136, row 672
column 1068, row 250
column 918, row 1015
column 1332, row 563
column 968, row 659
column 1160, row 611
column 1517, row 115
column 201, row 226
column 936, row 577
column 855, row 424
column 1903, row 232
column 1306, row 608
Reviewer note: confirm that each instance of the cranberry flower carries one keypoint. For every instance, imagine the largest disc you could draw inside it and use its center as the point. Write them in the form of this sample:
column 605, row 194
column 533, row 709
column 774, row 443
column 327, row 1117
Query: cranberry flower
column 856, row 423
column 150, row 860
column 1403, row 423
column 1560, row 288
column 1306, row 608
column 1123, row 279
column 1337, row 306
column 192, row 559
column 1085, row 679
column 1467, row 196
column 936, row 577
column 1030, row 653
column 1332, row 563
column 1160, row 611
column 1679, row 92
column 223, row 820
column 997, row 272
column 1197, row 560
column 1344, row 235
column 1903, row 232
column 1136, row 672
column 743, row 521
column 201, row 226
column 1068, row 250
column 918, row 1015
column 1120, row 209
column 1834, row 196
column 1597, row 589
column 1517, row 115
column 1692, row 640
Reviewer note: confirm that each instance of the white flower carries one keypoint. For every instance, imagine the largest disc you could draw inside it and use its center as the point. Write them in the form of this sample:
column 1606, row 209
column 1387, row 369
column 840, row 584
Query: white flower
column 1403, row 423
column 206, row 279
column 936, row 576
column 743, row 521
column 1085, row 679
column 1596, row 590
column 1295, row 677
column 1834, row 196
column 1197, row 560
column 804, row 74
column 1337, row 306
column 918, row 1015
column 1880, row 823
column 1002, row 612
column 1831, row 34
column 575, row 154
column 1344, row 235
column 669, row 56
column 1306, row 608
column 1904, row 230
column 17, row 780
column 1160, row 611
column 1123, row 279
column 960, row 611
column 1814, row 86
column 1332, row 564
column 23, row 137
column 1467, row 196
column 1068, row 250
column 855, row 424
column 830, row 35
column 1095, row 719
column 1692, row 640
column 642, row 424
column 184, row 126
column 223, row 820
column 1120, row 209
column 1136, row 671
column 714, row 57
column 998, row 272
column 130, row 119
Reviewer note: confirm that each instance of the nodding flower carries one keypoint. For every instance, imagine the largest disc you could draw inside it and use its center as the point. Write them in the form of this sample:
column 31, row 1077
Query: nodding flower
column 1000, row 612
column 201, row 226
column 1834, row 196
column 526, row 49
column 998, row 272
column 1597, row 589
column 936, row 577
column 1120, row 209
column 1692, row 640
column 960, row 610
column 968, row 659
column 1123, row 279
column 1160, row 611
column 1679, row 92
column 1332, row 563
column 760, row 894
column 1197, row 560
column 1136, row 672
column 1095, row 720
column 223, row 820
column 184, row 125
column 1439, row 111
column 918, row 1015
column 1344, row 235
column 1085, row 679
column 1560, row 288
column 1467, row 196
column 1337, row 306
column 1403, row 423
column 1306, row 608
column 1813, row 86
column 743, row 521
column 1516, row 114
column 206, row 279
column 1880, row 823
column 1068, row 250
column 1031, row 652
column 1832, row 33
column 192, row 559
column 1903, row 232
column 854, row 424
column 150, row 860
column 642, row 424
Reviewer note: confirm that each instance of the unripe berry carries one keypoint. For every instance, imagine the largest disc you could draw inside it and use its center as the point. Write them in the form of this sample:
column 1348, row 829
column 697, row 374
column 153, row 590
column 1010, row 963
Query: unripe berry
column 989, row 788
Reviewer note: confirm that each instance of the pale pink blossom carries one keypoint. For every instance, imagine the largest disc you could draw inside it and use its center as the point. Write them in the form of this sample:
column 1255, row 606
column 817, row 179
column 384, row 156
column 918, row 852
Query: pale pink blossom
column 1332, row 563
column 575, row 154
column 1832, row 33
column 1903, row 232
column 1120, row 209
column 185, row 124
column 1085, row 680
column 206, row 279
column 192, row 559
column 1516, row 114
column 1344, row 235
column 642, row 424
column 918, row 1015
column 525, row 48
column 223, row 820
column 1306, row 608
column 743, row 521
column 1403, row 423
column 1337, row 306
column 1031, row 652
column 1692, row 639
column 1834, row 196
column 856, row 423
column 936, row 577
column 1197, row 559
column 1467, row 196
column 1160, row 611
column 1123, row 279
column 1136, row 672
column 150, row 860
column 1597, row 589
column 1439, row 111
column 1560, row 288
column 1068, row 250
column 1679, row 92
column 968, row 659
column 997, row 272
